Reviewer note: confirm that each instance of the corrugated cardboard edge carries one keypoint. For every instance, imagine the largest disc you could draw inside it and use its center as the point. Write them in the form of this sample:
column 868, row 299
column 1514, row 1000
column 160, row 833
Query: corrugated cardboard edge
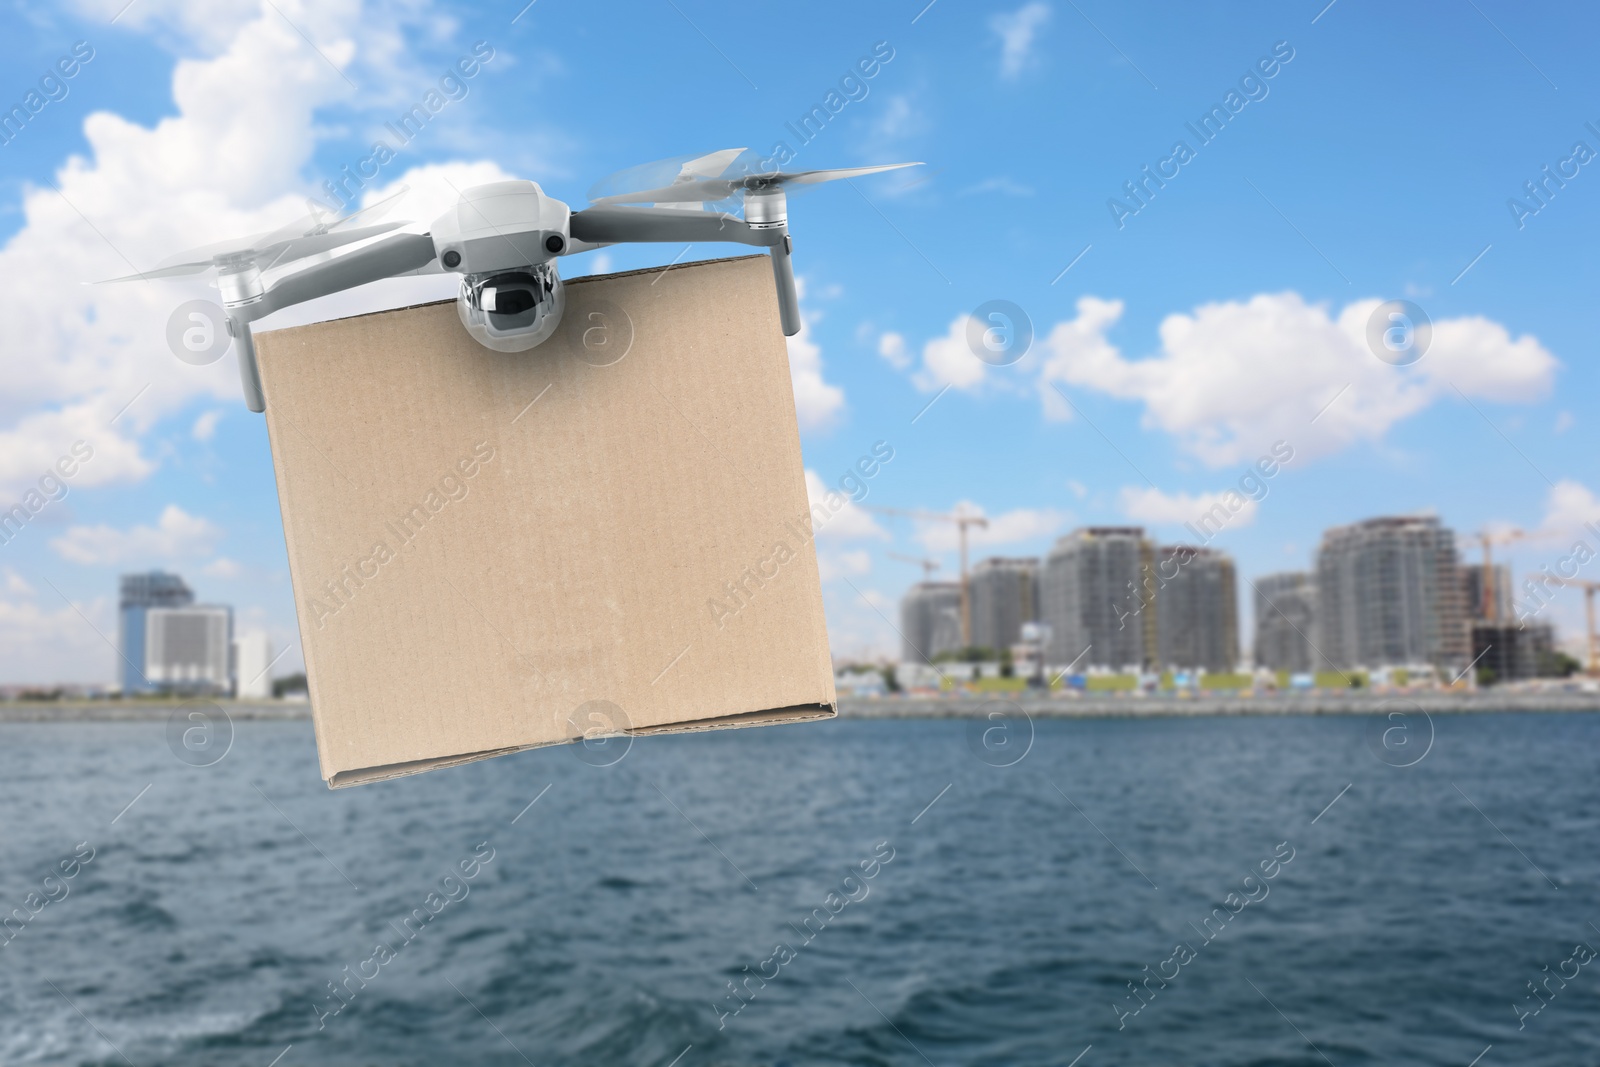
column 774, row 717
column 344, row 779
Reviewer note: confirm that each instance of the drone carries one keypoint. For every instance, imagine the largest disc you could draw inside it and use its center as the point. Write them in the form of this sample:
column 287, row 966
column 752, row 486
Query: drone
column 505, row 239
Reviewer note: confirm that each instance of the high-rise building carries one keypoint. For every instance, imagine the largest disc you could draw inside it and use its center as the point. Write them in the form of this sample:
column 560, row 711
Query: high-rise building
column 140, row 593
column 1094, row 593
column 930, row 621
column 1004, row 594
column 1286, row 618
column 1507, row 651
column 1196, row 609
column 252, row 662
column 1475, row 592
column 189, row 649
column 1389, row 594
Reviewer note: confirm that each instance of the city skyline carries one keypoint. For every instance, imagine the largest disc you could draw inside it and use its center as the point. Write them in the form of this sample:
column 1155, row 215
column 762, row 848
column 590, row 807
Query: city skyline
column 1383, row 592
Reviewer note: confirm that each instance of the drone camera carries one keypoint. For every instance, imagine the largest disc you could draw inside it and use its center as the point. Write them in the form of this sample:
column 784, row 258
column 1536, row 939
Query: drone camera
column 512, row 310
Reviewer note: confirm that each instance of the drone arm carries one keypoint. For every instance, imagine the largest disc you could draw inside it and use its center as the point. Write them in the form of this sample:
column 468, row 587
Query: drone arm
column 788, row 295
column 249, row 374
column 612, row 225
column 400, row 254
column 403, row 253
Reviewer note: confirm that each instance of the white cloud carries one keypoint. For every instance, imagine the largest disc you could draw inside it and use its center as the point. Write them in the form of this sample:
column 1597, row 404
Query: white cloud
column 600, row 263
column 1007, row 528
column 899, row 120
column 177, row 536
column 892, row 347
column 1234, row 376
column 949, row 360
column 37, row 442
column 205, row 427
column 222, row 567
column 1004, row 186
column 848, row 521
column 1148, row 504
column 16, row 584
column 56, row 645
column 858, row 626
column 1568, row 507
column 816, row 401
column 834, row 565
column 1564, row 421
column 1016, row 32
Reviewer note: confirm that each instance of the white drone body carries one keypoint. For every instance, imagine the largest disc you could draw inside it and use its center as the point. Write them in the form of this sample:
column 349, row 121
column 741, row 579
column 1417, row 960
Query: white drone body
column 504, row 240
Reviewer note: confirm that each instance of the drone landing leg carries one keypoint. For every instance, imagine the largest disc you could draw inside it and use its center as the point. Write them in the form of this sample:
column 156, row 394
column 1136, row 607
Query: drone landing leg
column 788, row 298
column 249, row 374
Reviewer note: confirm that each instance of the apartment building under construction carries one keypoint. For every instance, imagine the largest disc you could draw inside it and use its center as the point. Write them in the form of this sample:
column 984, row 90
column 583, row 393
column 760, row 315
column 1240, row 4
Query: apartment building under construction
column 930, row 621
column 1389, row 593
column 1196, row 609
column 1094, row 595
column 1286, row 619
column 1004, row 593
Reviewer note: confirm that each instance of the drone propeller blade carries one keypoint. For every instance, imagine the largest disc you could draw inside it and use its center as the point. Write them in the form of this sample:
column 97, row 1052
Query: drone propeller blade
column 811, row 177
column 206, row 254
column 707, row 189
column 664, row 172
column 308, row 235
column 709, row 165
column 319, row 222
column 277, row 255
column 713, row 189
column 178, row 270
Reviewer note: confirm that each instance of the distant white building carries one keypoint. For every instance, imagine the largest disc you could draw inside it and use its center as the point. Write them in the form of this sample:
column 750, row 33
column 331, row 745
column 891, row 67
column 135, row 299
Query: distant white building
column 252, row 660
column 188, row 648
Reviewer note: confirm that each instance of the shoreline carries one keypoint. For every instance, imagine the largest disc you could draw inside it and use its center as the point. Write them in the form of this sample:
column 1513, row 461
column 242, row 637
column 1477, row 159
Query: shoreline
column 24, row 711
column 931, row 707
column 1165, row 706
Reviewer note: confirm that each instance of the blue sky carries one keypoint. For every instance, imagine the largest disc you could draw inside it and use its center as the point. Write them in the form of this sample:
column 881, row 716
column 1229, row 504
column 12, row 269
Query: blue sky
column 1226, row 314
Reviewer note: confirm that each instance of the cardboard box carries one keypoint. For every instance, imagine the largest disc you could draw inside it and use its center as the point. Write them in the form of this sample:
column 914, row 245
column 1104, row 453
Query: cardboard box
column 495, row 551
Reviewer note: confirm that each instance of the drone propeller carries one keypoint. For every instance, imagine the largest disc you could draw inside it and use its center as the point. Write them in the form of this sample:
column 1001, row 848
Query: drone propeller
column 308, row 236
column 711, row 189
column 673, row 171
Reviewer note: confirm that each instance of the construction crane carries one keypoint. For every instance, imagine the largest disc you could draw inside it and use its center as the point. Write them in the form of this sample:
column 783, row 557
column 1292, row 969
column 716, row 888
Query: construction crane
column 1588, row 603
column 962, row 520
column 1489, row 538
column 928, row 565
